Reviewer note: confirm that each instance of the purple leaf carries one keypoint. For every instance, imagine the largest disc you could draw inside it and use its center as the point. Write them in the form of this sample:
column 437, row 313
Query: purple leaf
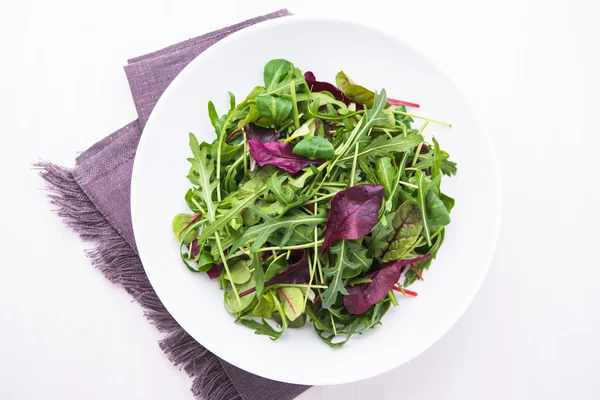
column 279, row 154
column 404, row 263
column 354, row 212
column 264, row 135
column 317, row 86
column 361, row 297
column 195, row 249
column 298, row 272
column 215, row 271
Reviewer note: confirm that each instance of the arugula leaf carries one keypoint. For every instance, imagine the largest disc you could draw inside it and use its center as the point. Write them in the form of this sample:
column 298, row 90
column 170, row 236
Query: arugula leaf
column 201, row 175
column 262, row 232
column 261, row 328
column 386, row 174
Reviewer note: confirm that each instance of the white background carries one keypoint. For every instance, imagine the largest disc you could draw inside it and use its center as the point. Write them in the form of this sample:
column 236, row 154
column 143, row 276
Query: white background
column 530, row 70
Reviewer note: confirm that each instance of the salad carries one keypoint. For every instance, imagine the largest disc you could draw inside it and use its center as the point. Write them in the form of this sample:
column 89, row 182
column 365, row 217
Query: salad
column 312, row 203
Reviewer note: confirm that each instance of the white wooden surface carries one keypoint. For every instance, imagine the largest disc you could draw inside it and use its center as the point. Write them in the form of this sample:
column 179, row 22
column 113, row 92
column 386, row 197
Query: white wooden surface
column 530, row 69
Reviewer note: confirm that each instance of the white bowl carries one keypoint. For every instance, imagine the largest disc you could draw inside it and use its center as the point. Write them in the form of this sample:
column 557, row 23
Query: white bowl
column 377, row 61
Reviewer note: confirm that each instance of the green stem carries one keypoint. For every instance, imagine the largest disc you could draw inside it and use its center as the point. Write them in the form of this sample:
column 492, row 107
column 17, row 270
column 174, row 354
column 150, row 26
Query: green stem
column 299, row 246
column 416, row 157
column 295, row 104
column 199, row 206
column 423, row 118
column 354, row 160
column 245, row 154
column 392, row 297
column 324, row 197
column 226, row 266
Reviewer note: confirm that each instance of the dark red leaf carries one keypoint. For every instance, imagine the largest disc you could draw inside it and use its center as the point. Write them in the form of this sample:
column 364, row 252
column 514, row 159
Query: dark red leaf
column 354, row 212
column 279, row 154
column 215, row 271
column 298, row 272
column 264, row 135
column 195, row 249
column 317, row 86
column 404, row 263
column 361, row 297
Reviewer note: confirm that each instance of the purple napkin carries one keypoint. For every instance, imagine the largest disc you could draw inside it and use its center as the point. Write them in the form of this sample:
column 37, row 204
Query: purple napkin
column 93, row 199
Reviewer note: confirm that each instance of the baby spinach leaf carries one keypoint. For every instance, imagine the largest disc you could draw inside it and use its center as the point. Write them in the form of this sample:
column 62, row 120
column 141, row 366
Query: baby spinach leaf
column 314, row 147
column 437, row 214
column 273, row 108
column 354, row 212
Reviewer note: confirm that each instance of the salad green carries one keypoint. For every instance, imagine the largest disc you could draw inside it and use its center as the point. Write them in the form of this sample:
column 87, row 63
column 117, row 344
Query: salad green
column 312, row 202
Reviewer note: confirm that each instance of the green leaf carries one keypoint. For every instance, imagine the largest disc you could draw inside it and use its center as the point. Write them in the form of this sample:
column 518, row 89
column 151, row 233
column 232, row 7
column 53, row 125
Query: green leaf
column 292, row 299
column 264, row 308
column 259, row 275
column 275, row 109
column 261, row 232
column 283, row 194
column 358, row 262
column 314, row 147
column 448, row 201
column 231, row 304
column 378, row 240
column 386, row 174
column 261, row 328
column 411, row 276
column 356, row 93
column 240, row 272
column 181, row 222
column 425, row 185
column 344, row 260
column 437, row 214
column 214, row 117
column 277, row 75
column 274, row 268
column 382, row 146
column 205, row 261
column 407, row 226
column 228, row 152
column 437, row 159
column 307, row 129
column 201, row 174
column 231, row 101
